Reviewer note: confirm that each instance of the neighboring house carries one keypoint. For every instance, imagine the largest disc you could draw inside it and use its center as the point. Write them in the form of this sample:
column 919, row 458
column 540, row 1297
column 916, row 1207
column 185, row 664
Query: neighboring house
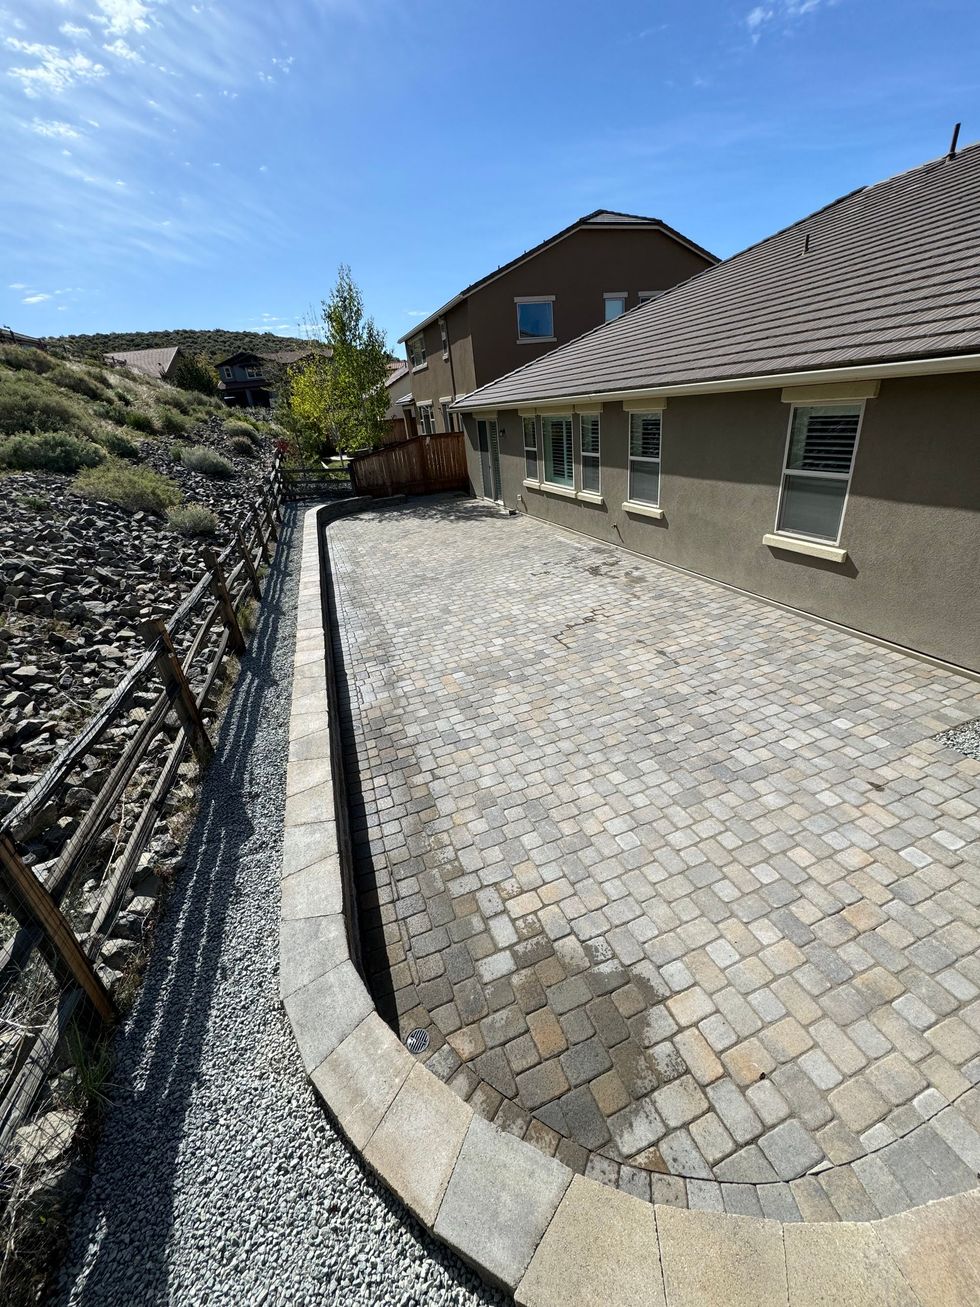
column 591, row 271
column 10, row 337
column 801, row 421
column 156, row 363
column 248, row 380
column 401, row 425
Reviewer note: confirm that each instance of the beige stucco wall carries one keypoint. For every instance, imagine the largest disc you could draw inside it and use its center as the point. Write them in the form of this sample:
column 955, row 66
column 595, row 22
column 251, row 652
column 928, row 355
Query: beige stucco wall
column 911, row 526
column 439, row 375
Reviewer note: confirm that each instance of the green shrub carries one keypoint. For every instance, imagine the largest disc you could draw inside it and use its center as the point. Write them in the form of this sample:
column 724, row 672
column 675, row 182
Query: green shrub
column 140, row 422
column 174, row 399
column 82, row 383
column 116, row 443
column 50, row 451
column 238, row 428
column 28, row 404
column 242, row 447
column 198, row 458
column 171, row 423
column 193, row 520
column 27, row 360
column 132, row 487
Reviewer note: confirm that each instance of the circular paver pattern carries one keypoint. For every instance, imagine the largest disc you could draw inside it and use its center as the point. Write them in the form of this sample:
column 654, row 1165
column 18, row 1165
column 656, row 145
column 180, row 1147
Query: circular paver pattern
column 680, row 885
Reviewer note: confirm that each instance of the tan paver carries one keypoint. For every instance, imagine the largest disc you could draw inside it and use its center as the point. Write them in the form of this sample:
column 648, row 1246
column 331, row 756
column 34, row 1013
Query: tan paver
column 600, row 1248
column 721, row 1259
column 360, row 1079
column 937, row 1249
column 834, row 1265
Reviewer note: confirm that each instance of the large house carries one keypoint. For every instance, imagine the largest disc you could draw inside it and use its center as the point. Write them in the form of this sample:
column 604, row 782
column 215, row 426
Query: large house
column 592, row 271
column 248, row 380
column 801, row 421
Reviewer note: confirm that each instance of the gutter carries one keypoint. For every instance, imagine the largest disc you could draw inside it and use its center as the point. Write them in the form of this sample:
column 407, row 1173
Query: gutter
column 770, row 381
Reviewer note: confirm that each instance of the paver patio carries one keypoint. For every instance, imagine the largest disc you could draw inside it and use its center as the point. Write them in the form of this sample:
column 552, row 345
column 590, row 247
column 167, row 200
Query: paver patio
column 680, row 885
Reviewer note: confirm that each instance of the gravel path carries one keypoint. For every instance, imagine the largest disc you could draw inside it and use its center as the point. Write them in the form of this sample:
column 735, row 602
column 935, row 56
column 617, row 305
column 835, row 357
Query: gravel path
column 219, row 1178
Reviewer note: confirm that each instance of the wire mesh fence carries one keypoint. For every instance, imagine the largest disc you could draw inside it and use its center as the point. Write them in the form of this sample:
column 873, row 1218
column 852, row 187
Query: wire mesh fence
column 78, row 865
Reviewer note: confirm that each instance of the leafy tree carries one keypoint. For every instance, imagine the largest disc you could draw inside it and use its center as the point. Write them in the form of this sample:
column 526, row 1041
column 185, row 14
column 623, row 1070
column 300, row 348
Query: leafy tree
column 191, row 372
column 337, row 400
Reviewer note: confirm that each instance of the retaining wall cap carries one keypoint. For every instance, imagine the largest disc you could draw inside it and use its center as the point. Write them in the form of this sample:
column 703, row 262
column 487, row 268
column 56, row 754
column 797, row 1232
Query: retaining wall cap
column 518, row 1216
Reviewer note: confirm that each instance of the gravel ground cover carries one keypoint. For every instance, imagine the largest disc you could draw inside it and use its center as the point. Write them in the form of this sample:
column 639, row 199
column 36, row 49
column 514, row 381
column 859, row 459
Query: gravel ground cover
column 219, row 1178
column 965, row 738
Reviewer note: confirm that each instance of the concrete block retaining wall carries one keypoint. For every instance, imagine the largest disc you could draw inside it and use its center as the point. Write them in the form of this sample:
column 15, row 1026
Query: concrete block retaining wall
column 522, row 1219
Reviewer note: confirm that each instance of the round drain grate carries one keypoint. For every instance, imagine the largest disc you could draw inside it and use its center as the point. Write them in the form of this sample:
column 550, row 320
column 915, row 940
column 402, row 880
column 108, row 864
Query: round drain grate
column 417, row 1040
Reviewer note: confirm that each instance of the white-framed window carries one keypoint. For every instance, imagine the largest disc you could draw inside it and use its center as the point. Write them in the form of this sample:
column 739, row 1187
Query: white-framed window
column 530, row 449
column 426, row 424
column 817, row 469
column 416, row 351
column 556, row 434
column 227, row 373
column 589, row 440
column 644, row 476
column 644, row 296
column 535, row 317
column 444, row 339
column 447, row 417
column 251, row 371
column 615, row 305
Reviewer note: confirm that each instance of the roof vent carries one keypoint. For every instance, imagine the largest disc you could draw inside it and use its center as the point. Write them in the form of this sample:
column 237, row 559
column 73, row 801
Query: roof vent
column 952, row 144
column 806, row 243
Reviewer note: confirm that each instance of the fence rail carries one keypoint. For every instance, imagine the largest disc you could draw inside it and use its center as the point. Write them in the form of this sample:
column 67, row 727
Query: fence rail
column 61, row 911
column 420, row 466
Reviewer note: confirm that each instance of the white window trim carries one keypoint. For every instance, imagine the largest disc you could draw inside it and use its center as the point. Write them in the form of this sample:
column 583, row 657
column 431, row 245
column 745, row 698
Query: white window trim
column 417, row 367
column 529, row 481
column 615, row 295
column 444, row 337
column 577, row 427
column 821, row 541
column 534, row 299
column 645, row 296
column 556, row 486
column 638, row 505
column 228, row 373
column 426, row 404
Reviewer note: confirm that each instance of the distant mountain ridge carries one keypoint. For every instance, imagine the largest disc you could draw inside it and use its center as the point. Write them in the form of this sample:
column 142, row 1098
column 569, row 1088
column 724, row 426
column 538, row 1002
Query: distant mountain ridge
column 212, row 345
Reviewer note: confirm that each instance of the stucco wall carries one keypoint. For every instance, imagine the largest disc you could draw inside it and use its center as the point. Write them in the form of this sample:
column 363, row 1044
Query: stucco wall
column 436, row 379
column 911, row 526
column 578, row 271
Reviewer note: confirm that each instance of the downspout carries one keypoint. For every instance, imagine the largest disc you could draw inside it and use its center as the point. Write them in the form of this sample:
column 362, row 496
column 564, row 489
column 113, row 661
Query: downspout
column 452, row 370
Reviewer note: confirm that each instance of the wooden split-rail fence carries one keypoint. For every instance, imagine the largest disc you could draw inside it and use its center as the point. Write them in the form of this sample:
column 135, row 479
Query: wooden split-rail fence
column 50, row 957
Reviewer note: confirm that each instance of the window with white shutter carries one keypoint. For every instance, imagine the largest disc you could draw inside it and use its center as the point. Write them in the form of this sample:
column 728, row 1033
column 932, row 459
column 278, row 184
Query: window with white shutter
column 644, row 483
column 557, row 435
column 819, row 460
column 589, row 432
column 530, row 450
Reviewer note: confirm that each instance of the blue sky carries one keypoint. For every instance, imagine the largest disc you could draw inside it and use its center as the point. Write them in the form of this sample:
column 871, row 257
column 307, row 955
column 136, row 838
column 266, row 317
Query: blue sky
column 177, row 164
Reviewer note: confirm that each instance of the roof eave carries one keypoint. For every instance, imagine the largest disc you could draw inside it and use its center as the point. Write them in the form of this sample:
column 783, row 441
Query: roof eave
column 919, row 367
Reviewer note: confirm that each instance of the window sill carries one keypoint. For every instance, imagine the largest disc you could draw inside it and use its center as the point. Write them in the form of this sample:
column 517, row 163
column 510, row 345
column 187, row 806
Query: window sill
column 421, row 367
column 536, row 340
column 643, row 510
column 589, row 497
column 546, row 489
column 813, row 548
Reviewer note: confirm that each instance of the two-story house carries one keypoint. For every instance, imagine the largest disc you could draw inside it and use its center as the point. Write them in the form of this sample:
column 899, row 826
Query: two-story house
column 247, row 380
column 592, row 271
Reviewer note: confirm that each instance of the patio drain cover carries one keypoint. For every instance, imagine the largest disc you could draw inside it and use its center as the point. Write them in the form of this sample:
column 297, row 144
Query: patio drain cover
column 417, row 1041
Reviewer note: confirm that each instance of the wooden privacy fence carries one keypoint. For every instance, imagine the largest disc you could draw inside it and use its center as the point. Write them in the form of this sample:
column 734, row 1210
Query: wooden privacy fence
column 420, row 466
column 104, row 793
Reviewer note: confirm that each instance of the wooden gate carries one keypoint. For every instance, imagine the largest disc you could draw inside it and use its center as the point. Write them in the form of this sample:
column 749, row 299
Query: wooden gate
column 423, row 465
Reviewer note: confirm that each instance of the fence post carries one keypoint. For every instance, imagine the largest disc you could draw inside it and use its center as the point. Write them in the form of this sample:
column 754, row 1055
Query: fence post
column 271, row 521
column 263, row 543
column 219, row 589
column 32, row 905
column 167, row 666
column 249, row 565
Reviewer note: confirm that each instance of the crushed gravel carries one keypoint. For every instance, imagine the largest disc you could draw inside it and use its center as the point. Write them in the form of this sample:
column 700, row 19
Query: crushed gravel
column 965, row 738
column 219, row 1178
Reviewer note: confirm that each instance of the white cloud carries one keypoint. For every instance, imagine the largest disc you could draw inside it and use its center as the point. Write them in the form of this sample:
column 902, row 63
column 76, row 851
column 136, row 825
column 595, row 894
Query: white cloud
column 54, row 71
column 34, row 299
column 779, row 13
column 72, row 29
column 17, row 285
column 54, row 129
column 119, row 48
column 122, row 16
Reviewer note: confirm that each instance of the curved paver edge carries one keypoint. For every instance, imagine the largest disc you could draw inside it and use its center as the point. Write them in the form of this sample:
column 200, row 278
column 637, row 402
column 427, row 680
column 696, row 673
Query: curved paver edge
column 522, row 1219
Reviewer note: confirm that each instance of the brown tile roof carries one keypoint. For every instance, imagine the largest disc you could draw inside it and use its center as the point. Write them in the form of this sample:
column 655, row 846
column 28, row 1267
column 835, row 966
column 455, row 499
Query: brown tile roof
column 151, row 362
column 887, row 273
column 598, row 218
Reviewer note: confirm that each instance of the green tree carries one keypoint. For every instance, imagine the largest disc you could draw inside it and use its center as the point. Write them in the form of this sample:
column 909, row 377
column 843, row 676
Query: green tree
column 337, row 399
column 191, row 372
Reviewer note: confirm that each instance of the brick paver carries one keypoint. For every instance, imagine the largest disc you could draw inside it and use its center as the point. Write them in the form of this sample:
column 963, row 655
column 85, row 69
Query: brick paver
column 680, row 885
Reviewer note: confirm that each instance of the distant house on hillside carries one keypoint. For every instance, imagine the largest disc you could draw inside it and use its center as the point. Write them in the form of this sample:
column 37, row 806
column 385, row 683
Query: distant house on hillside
column 590, row 272
column 156, row 363
column 248, row 380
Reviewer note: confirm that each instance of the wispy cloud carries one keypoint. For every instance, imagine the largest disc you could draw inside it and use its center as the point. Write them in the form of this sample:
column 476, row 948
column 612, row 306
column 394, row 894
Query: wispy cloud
column 121, row 50
column 124, row 16
column 54, row 129
column 52, row 71
column 35, row 299
column 779, row 13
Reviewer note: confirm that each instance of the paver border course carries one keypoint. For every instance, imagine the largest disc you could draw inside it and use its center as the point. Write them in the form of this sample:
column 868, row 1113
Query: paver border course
column 522, row 1219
